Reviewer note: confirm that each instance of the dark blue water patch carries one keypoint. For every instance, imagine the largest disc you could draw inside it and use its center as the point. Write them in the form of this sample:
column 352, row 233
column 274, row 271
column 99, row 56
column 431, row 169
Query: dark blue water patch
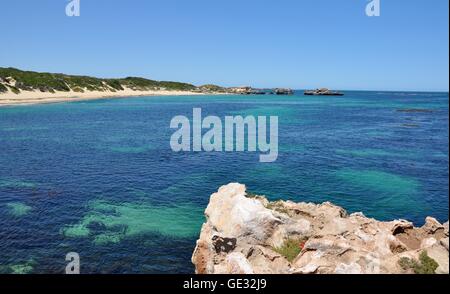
column 99, row 177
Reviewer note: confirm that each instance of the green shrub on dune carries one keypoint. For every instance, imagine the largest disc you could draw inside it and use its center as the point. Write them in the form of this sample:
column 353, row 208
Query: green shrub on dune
column 115, row 84
column 14, row 89
column 177, row 86
column 78, row 89
column 30, row 81
column 139, row 83
column 3, row 88
column 50, row 82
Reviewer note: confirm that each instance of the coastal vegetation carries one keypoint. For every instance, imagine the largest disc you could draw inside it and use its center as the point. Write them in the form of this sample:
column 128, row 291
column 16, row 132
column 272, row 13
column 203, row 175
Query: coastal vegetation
column 291, row 248
column 277, row 206
column 425, row 264
column 136, row 83
column 18, row 80
column 3, row 88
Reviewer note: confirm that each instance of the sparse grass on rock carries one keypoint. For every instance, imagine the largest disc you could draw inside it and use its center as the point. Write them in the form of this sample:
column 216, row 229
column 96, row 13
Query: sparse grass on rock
column 277, row 206
column 251, row 195
column 291, row 248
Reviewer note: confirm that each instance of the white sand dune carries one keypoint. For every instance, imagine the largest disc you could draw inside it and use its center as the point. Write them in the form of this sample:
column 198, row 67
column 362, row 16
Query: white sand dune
column 37, row 97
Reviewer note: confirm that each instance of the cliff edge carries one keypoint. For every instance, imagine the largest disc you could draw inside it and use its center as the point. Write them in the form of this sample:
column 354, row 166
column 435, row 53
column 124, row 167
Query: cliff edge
column 247, row 234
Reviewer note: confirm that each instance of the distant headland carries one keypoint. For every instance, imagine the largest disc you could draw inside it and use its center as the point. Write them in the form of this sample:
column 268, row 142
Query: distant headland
column 29, row 87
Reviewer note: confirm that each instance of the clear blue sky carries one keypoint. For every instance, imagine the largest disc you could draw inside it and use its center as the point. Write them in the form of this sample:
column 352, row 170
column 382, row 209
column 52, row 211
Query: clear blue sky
column 291, row 43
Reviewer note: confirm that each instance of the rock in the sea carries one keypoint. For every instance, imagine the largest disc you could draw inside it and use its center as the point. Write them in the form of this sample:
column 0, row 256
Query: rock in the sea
column 246, row 235
column 283, row 91
column 323, row 92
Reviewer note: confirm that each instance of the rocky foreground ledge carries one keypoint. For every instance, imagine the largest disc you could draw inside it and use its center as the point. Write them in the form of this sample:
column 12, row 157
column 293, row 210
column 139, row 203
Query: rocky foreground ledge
column 247, row 234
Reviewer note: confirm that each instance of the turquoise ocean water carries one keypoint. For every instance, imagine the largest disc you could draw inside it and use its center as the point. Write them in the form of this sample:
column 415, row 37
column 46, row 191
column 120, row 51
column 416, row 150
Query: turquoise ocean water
column 99, row 177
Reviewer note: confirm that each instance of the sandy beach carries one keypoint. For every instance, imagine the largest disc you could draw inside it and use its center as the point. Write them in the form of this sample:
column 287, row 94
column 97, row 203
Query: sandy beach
column 37, row 97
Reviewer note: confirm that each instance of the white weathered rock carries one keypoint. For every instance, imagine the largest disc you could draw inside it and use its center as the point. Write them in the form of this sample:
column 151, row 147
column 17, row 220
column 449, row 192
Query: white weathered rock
column 240, row 235
column 359, row 214
column 432, row 225
column 230, row 213
column 440, row 255
column 310, row 268
column 446, row 228
column 266, row 261
column 444, row 242
column 352, row 268
column 238, row 264
column 400, row 226
column 428, row 242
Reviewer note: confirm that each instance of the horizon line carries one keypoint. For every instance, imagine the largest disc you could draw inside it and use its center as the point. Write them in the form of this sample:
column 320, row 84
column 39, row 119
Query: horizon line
column 221, row 85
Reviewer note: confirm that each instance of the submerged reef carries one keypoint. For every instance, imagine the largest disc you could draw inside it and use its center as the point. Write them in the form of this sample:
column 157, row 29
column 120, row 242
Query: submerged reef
column 107, row 222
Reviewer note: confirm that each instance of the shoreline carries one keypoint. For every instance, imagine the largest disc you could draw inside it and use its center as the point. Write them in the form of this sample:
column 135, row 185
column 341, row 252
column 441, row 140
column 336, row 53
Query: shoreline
column 26, row 98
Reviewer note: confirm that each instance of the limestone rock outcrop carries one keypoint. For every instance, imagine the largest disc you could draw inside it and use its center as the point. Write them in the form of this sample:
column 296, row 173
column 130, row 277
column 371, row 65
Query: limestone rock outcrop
column 245, row 235
column 322, row 92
